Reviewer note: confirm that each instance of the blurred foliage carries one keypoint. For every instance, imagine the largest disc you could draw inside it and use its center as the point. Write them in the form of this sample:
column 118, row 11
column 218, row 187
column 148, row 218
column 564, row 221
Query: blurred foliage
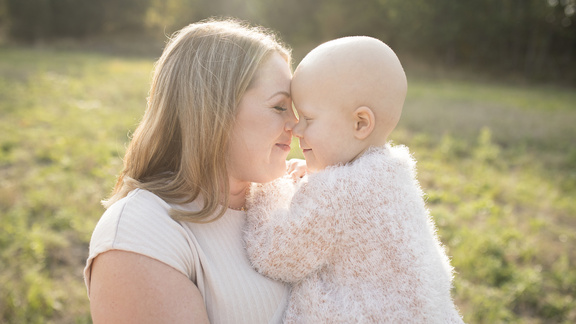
column 535, row 39
column 39, row 20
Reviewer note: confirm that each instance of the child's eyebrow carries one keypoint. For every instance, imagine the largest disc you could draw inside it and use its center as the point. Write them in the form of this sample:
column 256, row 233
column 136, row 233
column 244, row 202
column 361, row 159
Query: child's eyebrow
column 284, row 93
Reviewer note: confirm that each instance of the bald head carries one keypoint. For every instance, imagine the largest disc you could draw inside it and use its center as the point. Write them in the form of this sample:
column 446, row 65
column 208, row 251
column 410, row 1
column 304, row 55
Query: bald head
column 355, row 71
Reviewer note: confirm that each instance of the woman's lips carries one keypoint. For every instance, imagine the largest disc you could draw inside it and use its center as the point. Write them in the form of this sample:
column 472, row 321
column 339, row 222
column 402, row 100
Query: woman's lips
column 284, row 147
column 306, row 150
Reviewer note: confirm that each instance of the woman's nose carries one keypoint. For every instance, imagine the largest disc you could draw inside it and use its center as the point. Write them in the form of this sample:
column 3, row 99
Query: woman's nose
column 291, row 121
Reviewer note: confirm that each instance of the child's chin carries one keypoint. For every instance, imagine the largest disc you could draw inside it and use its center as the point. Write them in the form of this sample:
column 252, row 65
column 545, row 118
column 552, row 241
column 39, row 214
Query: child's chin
column 314, row 168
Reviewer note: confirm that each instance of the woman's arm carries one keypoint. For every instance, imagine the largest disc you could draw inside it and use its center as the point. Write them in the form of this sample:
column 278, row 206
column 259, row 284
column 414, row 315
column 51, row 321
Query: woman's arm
column 127, row 287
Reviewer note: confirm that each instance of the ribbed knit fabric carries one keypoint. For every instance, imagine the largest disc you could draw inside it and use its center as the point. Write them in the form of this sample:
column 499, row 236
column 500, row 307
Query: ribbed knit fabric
column 212, row 255
column 357, row 243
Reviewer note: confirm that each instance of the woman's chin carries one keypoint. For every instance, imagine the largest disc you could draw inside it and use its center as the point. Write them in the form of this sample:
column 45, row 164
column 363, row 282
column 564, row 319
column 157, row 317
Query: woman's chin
column 273, row 173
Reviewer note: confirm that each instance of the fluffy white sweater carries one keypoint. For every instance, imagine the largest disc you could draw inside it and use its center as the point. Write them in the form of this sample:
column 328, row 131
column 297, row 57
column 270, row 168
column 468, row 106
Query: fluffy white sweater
column 355, row 241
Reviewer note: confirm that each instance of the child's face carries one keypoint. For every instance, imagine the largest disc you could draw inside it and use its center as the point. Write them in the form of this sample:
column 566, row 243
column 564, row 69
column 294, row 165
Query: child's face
column 325, row 129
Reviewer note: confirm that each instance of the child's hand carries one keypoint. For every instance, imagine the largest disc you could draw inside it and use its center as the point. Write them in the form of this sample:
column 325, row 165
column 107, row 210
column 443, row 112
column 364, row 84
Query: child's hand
column 296, row 168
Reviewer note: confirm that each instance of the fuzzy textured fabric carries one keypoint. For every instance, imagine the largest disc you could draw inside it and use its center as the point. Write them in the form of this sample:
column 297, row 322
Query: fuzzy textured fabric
column 356, row 242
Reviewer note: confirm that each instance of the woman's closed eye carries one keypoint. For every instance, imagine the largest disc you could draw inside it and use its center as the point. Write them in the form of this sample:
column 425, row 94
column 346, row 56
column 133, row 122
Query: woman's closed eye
column 280, row 108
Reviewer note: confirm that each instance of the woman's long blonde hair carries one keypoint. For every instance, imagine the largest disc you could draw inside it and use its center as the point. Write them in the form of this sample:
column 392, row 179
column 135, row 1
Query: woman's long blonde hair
column 178, row 151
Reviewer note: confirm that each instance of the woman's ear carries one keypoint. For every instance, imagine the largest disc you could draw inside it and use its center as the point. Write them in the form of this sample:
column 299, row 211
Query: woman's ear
column 364, row 122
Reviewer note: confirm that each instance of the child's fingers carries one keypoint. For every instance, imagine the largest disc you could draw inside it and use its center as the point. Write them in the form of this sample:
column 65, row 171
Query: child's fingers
column 294, row 164
column 290, row 168
column 299, row 172
column 296, row 176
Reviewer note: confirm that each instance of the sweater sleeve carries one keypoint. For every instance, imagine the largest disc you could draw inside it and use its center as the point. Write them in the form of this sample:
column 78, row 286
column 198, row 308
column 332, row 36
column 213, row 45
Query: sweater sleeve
column 289, row 237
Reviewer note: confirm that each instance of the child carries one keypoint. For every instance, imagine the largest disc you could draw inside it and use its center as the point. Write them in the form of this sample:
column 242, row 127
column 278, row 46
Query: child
column 355, row 239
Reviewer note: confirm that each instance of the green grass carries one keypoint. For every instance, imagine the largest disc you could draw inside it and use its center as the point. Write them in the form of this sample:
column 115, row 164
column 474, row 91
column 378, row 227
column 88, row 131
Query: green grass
column 65, row 119
column 497, row 161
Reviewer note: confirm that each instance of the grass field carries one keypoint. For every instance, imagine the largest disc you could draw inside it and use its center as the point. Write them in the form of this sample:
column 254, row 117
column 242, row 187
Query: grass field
column 497, row 161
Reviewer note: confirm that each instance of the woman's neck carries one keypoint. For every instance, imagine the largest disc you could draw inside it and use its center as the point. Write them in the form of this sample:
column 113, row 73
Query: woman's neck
column 237, row 195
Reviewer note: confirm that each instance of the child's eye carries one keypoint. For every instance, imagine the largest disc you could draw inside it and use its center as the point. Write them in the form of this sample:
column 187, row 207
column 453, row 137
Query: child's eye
column 279, row 108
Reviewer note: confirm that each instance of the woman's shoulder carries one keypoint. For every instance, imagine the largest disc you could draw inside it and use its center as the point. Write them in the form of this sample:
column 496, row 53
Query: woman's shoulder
column 142, row 198
column 138, row 206
column 139, row 211
column 141, row 223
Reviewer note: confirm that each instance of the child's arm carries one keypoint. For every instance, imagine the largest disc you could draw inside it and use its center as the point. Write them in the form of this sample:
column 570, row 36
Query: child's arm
column 287, row 239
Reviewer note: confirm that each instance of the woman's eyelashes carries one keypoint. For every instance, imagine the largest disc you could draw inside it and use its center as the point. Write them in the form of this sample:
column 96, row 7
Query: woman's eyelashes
column 280, row 108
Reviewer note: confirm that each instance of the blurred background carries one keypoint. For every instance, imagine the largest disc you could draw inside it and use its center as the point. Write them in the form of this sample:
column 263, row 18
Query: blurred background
column 534, row 39
column 490, row 116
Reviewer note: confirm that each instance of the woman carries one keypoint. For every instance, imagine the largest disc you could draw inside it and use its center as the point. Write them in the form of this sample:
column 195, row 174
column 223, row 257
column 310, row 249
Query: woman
column 169, row 247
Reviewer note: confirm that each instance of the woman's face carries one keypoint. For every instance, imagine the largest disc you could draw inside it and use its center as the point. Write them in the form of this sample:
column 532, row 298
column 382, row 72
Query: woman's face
column 262, row 132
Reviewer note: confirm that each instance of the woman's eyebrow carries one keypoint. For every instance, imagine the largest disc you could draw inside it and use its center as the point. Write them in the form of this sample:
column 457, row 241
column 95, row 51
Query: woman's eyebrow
column 284, row 93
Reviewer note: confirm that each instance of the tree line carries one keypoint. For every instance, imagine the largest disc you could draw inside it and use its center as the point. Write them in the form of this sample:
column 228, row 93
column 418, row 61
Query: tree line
column 534, row 38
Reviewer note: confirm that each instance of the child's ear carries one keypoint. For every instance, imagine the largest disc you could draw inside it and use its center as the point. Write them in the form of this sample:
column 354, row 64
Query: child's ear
column 364, row 121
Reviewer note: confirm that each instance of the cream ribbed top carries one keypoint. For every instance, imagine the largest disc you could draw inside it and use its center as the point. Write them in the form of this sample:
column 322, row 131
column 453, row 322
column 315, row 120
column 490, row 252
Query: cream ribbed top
column 212, row 255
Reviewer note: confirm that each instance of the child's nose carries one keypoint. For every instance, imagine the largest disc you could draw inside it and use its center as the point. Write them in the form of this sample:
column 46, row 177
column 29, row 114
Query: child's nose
column 297, row 130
